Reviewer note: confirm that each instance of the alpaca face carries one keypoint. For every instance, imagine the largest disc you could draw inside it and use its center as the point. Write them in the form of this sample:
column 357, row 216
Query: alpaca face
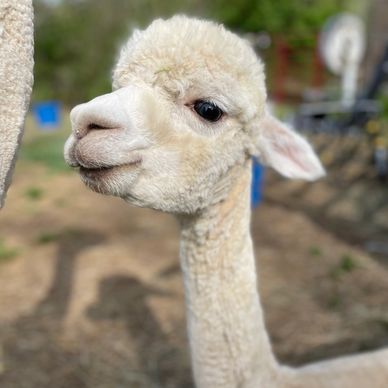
column 188, row 105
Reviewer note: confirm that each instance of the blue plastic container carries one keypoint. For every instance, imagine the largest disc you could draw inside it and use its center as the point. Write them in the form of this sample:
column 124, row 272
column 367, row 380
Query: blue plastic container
column 47, row 114
column 257, row 183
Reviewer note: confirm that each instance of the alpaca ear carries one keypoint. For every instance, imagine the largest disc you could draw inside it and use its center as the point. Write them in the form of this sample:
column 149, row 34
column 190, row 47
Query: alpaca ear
column 286, row 151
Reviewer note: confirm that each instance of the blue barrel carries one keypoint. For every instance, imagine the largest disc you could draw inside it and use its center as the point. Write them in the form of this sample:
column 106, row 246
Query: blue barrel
column 47, row 114
column 257, row 183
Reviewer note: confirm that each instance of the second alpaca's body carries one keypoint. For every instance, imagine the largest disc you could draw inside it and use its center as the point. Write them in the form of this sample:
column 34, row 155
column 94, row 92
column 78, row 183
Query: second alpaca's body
column 16, row 78
column 177, row 134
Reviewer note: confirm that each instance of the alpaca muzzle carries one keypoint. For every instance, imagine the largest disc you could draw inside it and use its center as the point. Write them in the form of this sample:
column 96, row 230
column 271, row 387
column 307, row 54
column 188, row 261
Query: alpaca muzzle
column 102, row 125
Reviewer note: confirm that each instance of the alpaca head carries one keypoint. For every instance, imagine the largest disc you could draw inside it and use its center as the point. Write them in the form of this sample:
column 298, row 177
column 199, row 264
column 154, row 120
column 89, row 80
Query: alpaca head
column 189, row 104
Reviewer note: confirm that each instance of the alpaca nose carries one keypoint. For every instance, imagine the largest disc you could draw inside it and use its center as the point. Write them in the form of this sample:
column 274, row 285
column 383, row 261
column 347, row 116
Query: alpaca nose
column 101, row 113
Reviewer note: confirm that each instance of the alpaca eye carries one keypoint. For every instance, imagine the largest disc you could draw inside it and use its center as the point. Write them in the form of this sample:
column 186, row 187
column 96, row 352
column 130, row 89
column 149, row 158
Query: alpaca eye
column 208, row 110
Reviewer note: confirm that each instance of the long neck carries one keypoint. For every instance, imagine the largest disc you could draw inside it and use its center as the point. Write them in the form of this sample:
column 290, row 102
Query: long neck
column 225, row 321
column 229, row 344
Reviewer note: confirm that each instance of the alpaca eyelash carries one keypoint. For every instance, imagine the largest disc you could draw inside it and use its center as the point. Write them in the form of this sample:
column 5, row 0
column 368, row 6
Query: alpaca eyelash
column 207, row 110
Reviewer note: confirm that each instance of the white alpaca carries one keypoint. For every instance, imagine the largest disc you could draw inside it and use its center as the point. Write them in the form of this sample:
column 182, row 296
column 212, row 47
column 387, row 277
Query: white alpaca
column 177, row 134
column 16, row 63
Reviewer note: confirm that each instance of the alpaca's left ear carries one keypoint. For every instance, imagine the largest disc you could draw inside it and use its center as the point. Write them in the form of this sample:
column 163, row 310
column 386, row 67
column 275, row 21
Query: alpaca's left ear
column 286, row 151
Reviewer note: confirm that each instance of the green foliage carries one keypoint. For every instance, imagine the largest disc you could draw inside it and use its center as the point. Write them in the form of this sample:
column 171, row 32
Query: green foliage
column 72, row 57
column 77, row 41
column 296, row 21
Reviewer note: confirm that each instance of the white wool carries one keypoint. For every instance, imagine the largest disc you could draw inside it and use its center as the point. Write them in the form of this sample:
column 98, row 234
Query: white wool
column 16, row 64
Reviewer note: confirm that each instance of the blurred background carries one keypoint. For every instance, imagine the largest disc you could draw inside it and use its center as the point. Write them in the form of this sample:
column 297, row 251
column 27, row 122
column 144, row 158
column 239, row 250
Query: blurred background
column 91, row 291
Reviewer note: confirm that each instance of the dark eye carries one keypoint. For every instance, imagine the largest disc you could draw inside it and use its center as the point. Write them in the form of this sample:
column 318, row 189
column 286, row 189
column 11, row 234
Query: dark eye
column 208, row 110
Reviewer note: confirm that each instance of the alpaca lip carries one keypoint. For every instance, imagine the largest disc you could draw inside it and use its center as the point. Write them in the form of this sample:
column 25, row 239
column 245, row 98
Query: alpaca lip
column 95, row 170
column 100, row 172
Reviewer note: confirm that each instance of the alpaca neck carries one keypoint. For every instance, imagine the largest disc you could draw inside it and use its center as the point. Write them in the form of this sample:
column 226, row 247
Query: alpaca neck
column 227, row 335
column 229, row 344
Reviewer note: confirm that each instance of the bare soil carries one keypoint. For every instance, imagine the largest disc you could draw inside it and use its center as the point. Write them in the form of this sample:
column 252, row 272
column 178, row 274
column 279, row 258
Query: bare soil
column 91, row 291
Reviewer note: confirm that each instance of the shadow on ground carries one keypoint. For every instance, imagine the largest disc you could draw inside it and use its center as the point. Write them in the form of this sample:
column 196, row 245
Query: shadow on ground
column 124, row 298
column 35, row 356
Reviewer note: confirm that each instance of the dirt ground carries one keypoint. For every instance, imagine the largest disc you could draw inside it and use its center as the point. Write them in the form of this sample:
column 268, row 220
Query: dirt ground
column 91, row 291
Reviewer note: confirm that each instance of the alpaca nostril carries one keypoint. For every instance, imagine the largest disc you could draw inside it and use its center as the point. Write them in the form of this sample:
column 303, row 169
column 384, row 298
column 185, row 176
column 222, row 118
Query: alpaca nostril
column 82, row 129
column 104, row 113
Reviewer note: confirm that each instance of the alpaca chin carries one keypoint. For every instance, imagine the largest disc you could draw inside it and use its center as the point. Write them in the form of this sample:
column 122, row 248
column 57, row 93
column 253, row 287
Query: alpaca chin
column 114, row 181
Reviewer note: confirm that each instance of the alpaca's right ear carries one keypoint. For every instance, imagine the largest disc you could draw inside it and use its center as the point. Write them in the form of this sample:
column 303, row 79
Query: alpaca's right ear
column 286, row 151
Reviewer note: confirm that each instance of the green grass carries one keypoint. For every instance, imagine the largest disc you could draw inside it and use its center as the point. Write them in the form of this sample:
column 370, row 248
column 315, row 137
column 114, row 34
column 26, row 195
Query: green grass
column 47, row 237
column 347, row 264
column 315, row 251
column 34, row 193
column 46, row 149
column 7, row 253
